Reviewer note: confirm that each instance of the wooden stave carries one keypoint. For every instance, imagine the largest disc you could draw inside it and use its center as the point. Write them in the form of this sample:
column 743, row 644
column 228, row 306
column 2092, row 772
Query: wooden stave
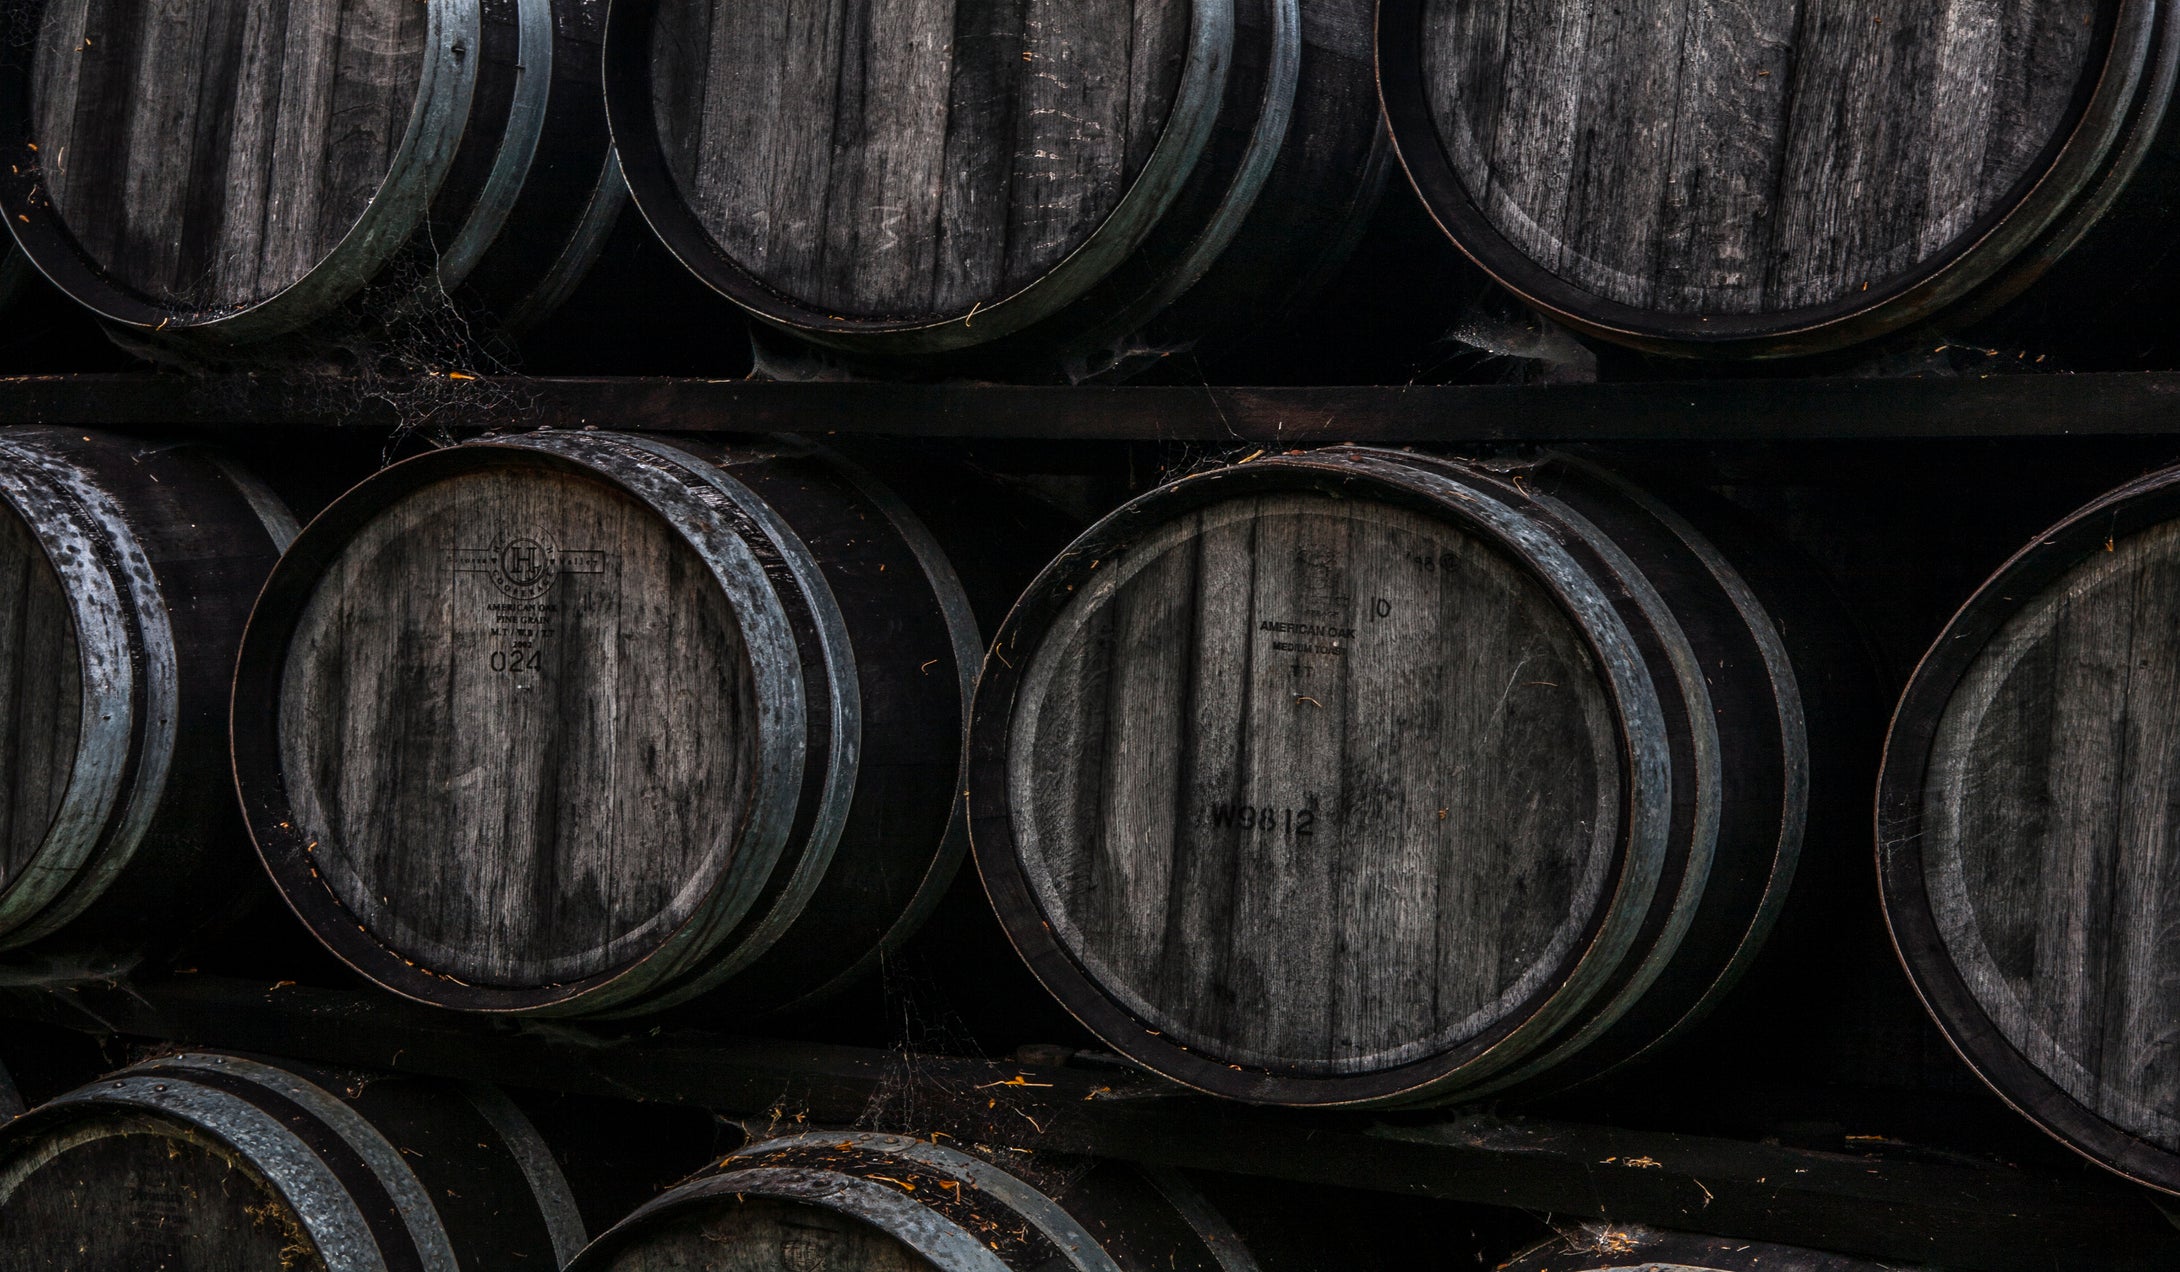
column 900, row 731
column 1745, row 672
column 1696, row 940
column 1193, row 210
column 460, row 174
column 548, row 241
column 1292, row 243
column 823, row 788
column 2138, row 506
column 261, row 781
column 1630, row 1248
column 169, row 523
column 1528, row 1054
column 1118, row 1218
column 790, row 953
column 1509, row 1056
column 1578, row 980
column 1337, row 473
column 2057, row 206
column 363, row 1166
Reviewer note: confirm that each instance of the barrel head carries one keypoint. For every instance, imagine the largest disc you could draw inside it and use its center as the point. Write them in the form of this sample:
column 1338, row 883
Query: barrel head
column 41, row 694
column 209, row 156
column 515, row 726
column 1780, row 160
column 2048, row 850
column 912, row 160
column 760, row 1234
column 1323, row 786
column 121, row 1189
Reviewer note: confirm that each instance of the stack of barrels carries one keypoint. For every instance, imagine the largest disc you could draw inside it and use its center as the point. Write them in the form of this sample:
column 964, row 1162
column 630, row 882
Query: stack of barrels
column 1350, row 777
column 1365, row 777
column 922, row 188
column 1353, row 777
column 129, row 568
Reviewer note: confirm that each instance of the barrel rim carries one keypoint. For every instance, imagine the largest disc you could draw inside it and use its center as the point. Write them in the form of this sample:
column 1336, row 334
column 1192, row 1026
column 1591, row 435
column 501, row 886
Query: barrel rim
column 1698, row 851
column 1791, row 719
column 929, row 1232
column 930, row 1235
column 426, row 1231
column 285, row 1164
column 106, row 725
column 261, row 785
column 398, row 207
column 519, row 1136
column 137, row 652
column 750, row 939
column 631, row 118
column 2106, row 138
column 1268, row 133
column 1898, row 832
column 516, row 148
column 994, row 844
column 601, row 216
column 966, row 644
column 1754, row 658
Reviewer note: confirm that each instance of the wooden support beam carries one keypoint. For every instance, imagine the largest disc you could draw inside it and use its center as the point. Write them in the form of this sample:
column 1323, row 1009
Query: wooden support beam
column 1945, row 1213
column 1753, row 410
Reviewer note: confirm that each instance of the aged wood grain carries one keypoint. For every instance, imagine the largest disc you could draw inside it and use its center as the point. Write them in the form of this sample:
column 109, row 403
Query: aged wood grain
column 910, row 158
column 215, row 1162
column 1729, row 157
column 516, row 718
column 41, row 694
column 2051, row 848
column 1318, row 784
column 209, row 155
column 758, row 1234
column 141, row 1192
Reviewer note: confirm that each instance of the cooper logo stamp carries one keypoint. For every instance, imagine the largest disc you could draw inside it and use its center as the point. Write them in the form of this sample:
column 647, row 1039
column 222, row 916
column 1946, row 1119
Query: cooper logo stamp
column 525, row 565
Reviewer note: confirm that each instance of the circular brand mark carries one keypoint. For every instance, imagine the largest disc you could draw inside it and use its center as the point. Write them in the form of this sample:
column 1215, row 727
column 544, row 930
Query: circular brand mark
column 526, row 568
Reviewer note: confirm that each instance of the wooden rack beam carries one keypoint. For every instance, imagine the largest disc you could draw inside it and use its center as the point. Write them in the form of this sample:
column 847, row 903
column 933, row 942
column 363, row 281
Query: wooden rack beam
column 1946, row 1213
column 1996, row 406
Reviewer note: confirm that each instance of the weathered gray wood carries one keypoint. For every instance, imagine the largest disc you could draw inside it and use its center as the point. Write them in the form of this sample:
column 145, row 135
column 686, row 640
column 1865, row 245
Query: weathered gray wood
column 891, row 1203
column 2049, row 841
column 216, row 1163
column 130, row 566
column 516, row 717
column 41, row 694
column 1691, row 157
column 142, row 1192
column 1317, row 783
column 211, row 155
column 585, row 722
column 1366, row 777
column 760, row 1235
column 910, row 159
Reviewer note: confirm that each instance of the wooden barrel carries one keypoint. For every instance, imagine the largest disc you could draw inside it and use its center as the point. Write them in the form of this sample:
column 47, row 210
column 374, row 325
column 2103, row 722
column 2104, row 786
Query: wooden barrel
column 1776, row 179
column 2025, row 851
column 203, row 1161
column 888, row 1203
column 583, row 722
column 1628, row 1248
column 128, row 568
column 232, row 172
column 1080, row 188
column 1359, row 776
